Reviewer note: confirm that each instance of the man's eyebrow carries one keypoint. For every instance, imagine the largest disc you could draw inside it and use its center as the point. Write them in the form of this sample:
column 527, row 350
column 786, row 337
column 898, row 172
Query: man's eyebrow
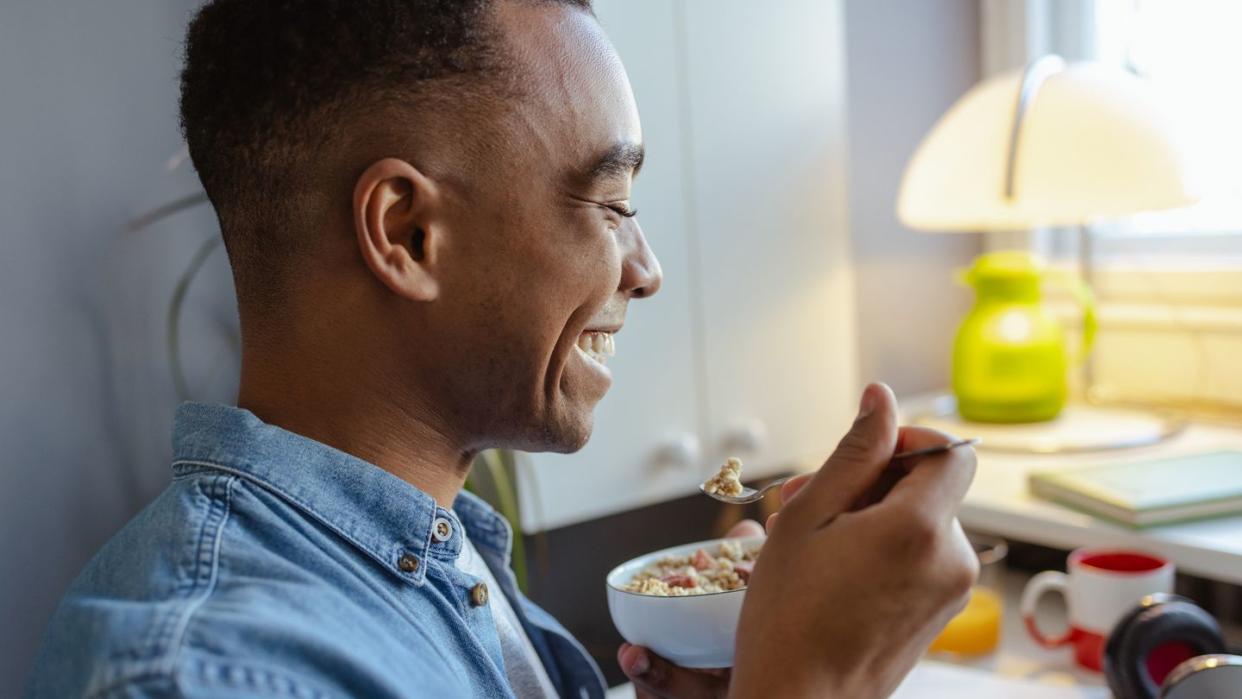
column 621, row 159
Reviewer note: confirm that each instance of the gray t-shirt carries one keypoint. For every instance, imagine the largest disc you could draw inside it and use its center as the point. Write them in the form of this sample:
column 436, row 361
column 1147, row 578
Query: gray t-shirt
column 526, row 673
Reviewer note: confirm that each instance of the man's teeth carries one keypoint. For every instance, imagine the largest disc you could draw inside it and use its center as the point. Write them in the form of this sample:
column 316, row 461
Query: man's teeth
column 597, row 345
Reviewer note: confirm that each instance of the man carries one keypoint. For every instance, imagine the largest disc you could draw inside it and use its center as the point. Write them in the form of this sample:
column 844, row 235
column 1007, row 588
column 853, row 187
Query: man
column 426, row 209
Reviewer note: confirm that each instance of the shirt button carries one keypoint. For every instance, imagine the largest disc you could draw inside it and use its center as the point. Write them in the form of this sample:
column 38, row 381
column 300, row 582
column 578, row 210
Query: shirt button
column 478, row 595
column 407, row 563
column 441, row 530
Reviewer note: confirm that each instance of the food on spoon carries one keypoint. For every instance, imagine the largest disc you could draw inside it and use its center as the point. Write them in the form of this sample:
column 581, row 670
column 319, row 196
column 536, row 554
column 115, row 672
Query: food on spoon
column 728, row 481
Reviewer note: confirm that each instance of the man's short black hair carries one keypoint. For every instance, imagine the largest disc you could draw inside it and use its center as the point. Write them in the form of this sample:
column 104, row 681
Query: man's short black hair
column 267, row 83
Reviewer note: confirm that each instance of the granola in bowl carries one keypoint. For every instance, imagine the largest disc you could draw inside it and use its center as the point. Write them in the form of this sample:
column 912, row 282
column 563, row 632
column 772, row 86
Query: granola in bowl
column 691, row 625
column 728, row 481
column 700, row 573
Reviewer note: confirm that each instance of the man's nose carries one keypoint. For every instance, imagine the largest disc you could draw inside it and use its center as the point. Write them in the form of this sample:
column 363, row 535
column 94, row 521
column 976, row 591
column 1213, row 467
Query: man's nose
column 640, row 270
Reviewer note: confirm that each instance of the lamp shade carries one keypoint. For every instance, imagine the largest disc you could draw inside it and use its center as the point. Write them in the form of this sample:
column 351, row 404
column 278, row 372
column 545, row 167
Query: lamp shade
column 1091, row 143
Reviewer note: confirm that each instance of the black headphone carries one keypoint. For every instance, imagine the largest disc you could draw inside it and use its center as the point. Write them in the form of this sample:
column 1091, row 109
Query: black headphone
column 1153, row 638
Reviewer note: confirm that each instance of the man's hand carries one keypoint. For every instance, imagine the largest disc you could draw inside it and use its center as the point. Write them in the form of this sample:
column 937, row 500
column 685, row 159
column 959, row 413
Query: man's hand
column 654, row 676
column 862, row 567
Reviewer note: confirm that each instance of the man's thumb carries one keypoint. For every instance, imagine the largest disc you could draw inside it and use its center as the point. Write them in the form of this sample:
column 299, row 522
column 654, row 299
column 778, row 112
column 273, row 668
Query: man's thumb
column 859, row 459
column 873, row 436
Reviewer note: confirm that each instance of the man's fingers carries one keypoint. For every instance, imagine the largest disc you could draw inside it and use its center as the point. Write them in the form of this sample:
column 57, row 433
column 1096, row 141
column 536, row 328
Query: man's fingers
column 788, row 490
column 913, row 438
column 654, row 676
column 745, row 529
column 908, row 439
column 793, row 485
column 933, row 485
column 860, row 457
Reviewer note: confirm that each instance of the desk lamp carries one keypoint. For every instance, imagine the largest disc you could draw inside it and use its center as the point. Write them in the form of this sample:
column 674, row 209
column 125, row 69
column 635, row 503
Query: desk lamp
column 1050, row 145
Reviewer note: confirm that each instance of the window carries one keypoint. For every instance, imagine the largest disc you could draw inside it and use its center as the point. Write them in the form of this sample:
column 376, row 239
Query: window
column 1169, row 284
column 1188, row 50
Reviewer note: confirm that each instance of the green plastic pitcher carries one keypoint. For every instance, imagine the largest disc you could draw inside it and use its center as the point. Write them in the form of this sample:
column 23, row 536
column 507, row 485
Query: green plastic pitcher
column 1010, row 359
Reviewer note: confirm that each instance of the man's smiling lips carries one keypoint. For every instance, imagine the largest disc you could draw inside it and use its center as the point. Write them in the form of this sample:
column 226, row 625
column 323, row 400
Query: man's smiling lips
column 598, row 344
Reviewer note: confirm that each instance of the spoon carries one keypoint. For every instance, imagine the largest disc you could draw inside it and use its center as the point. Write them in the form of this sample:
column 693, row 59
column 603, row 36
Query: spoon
column 750, row 495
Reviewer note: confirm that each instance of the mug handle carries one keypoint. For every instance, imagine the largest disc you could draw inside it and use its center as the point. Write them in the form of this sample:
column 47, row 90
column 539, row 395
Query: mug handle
column 1047, row 581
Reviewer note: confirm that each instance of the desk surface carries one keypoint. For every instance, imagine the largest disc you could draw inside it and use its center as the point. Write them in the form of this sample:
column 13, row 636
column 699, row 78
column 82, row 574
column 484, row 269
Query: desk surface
column 999, row 502
column 1020, row 660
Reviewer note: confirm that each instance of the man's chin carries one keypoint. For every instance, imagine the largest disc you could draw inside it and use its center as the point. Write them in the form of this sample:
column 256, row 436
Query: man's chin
column 564, row 436
column 570, row 446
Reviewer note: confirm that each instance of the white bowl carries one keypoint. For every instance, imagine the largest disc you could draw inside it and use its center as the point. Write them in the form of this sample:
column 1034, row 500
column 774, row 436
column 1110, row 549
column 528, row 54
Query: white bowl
column 691, row 631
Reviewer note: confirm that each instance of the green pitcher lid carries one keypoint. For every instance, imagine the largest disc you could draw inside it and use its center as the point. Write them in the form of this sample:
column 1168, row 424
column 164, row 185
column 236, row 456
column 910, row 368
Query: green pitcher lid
column 1005, row 269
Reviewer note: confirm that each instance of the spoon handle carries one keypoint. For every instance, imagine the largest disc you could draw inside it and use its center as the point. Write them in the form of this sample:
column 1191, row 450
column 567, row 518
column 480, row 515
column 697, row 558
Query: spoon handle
column 896, row 473
column 928, row 451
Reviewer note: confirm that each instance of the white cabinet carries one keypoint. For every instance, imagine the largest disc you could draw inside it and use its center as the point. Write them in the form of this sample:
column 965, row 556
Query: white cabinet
column 749, row 348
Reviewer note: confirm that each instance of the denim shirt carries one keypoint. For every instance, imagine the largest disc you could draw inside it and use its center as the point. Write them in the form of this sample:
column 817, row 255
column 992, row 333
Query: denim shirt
column 276, row 566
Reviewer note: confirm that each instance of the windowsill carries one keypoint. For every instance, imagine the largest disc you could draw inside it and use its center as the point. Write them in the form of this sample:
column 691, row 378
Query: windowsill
column 1167, row 335
column 1161, row 317
column 1180, row 282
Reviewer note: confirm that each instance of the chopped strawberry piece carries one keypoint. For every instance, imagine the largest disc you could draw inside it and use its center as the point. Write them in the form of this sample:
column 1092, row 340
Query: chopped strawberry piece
column 678, row 580
column 702, row 560
column 744, row 569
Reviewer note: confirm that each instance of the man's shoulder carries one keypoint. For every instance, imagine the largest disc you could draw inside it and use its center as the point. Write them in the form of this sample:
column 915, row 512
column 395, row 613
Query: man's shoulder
column 220, row 588
column 190, row 675
column 121, row 626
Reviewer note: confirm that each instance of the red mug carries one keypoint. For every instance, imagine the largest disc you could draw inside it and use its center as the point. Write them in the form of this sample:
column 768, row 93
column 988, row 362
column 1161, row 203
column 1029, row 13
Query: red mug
column 1101, row 586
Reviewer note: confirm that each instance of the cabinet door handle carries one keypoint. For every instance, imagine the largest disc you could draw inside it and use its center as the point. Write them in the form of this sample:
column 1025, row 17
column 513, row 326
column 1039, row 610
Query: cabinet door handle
column 681, row 450
column 745, row 437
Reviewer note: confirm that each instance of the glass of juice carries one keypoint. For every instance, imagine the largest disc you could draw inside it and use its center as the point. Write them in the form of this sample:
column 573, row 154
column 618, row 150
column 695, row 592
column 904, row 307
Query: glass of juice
column 976, row 629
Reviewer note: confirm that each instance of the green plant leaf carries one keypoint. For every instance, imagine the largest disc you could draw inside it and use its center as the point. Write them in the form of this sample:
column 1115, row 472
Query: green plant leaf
column 507, row 503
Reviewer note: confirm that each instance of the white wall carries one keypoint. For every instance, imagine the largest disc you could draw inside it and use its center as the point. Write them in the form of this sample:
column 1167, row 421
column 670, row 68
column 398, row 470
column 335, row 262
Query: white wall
column 87, row 119
column 908, row 60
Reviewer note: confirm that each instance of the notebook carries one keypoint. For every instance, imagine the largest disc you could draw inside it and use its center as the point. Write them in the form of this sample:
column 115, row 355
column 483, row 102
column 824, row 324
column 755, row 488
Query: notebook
column 1148, row 493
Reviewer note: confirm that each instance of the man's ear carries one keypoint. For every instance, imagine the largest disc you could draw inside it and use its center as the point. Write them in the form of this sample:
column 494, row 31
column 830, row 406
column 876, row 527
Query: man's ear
column 396, row 210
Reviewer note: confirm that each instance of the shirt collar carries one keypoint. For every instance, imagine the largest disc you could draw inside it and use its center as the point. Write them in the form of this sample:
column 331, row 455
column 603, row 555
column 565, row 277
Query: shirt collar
column 385, row 517
column 488, row 530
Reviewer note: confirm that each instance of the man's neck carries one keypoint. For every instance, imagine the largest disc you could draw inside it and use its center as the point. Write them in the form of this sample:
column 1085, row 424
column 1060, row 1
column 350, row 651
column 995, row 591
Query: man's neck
column 358, row 421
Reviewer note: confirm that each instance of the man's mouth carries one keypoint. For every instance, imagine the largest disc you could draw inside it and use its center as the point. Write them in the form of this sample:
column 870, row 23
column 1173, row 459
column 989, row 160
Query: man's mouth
column 597, row 345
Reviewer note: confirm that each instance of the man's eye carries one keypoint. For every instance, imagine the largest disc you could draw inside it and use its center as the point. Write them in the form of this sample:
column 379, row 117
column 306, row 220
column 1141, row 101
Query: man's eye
column 621, row 209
